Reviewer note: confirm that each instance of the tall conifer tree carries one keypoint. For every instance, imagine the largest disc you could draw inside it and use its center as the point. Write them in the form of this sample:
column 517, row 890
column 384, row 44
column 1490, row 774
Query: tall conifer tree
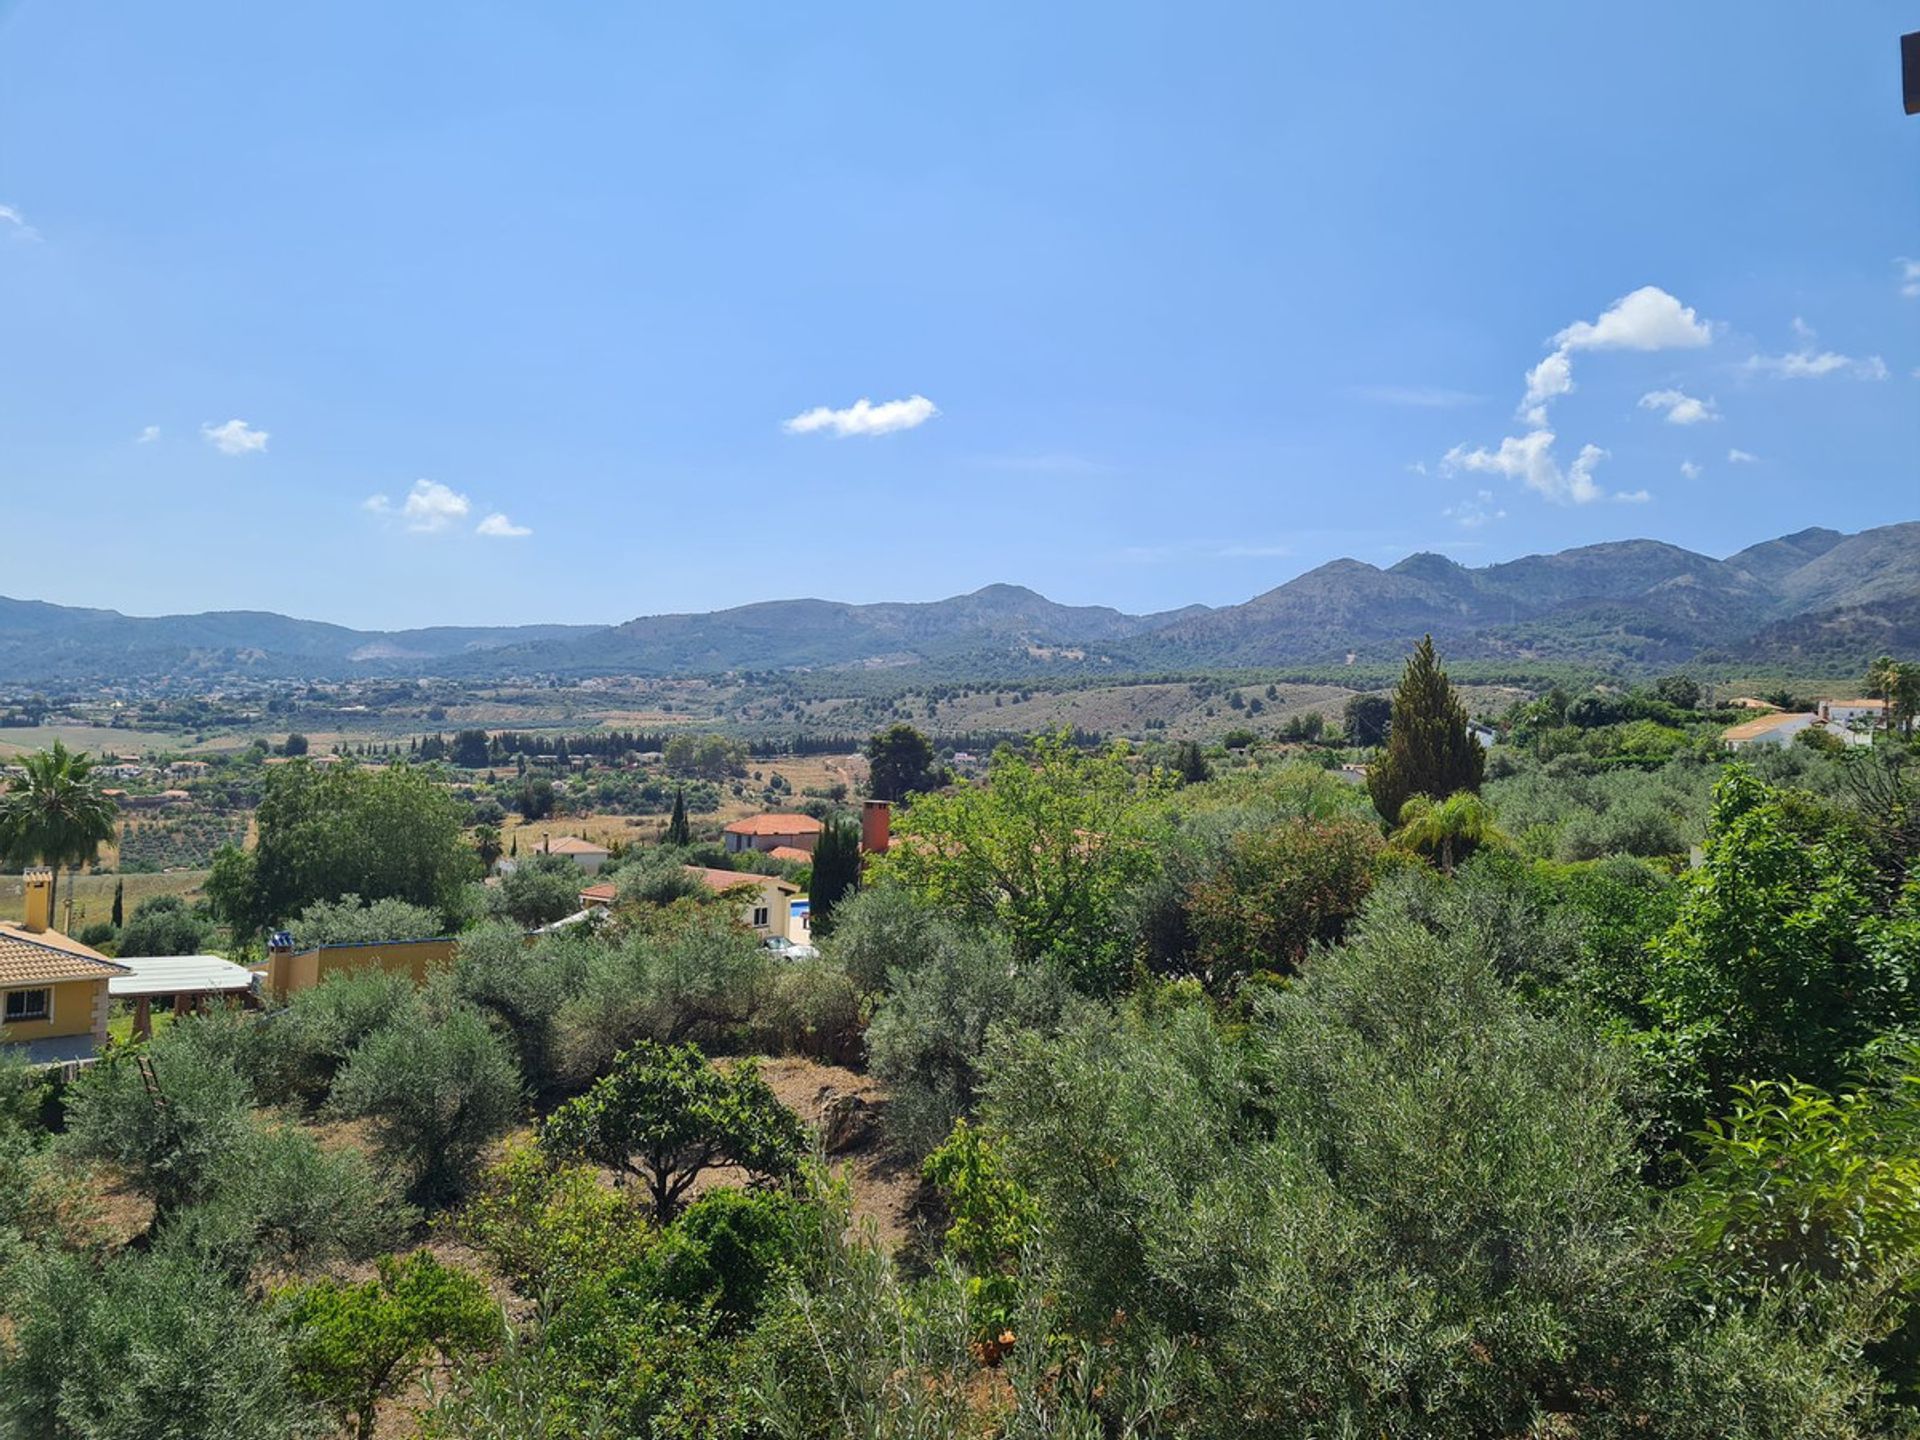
column 1429, row 750
column 678, row 831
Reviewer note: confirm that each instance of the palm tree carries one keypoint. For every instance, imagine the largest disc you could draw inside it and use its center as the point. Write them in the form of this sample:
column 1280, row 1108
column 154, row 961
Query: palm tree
column 55, row 816
column 1460, row 823
column 486, row 842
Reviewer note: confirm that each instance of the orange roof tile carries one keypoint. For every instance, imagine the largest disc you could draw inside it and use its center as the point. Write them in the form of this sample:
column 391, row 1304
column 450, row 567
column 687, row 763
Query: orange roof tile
column 573, row 845
column 33, row 958
column 603, row 894
column 1749, row 729
column 723, row 880
column 793, row 853
column 776, row 825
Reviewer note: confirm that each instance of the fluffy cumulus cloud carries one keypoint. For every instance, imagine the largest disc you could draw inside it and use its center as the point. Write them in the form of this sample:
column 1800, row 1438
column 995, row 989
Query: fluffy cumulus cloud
column 863, row 417
column 1737, row 456
column 1690, row 469
column 1647, row 319
column 498, row 527
column 1909, row 277
column 1530, row 459
column 429, row 506
column 235, row 437
column 1680, row 407
column 148, row 434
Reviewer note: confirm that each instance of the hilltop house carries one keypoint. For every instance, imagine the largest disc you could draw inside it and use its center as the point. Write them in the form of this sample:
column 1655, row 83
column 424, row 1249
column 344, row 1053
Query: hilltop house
column 1854, row 721
column 53, row 990
column 768, row 833
column 584, row 853
column 764, row 909
column 1768, row 730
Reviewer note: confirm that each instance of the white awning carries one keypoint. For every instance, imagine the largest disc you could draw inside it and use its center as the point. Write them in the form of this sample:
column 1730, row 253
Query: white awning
column 174, row 974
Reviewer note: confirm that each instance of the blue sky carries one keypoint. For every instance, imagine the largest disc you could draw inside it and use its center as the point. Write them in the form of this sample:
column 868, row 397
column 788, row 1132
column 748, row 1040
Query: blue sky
column 403, row 314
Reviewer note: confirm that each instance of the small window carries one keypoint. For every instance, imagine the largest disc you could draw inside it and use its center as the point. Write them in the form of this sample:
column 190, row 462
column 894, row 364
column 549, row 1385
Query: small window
column 28, row 1005
column 760, row 917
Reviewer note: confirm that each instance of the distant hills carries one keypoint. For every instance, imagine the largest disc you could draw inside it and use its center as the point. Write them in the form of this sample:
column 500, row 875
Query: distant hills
column 1814, row 599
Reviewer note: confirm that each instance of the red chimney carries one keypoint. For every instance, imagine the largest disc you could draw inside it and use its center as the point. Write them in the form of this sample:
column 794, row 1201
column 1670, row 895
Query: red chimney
column 876, row 827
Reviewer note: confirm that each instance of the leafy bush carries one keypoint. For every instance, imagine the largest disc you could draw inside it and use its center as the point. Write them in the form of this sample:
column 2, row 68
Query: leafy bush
column 349, row 1345
column 142, row 1347
column 164, row 925
column 436, row 1093
column 353, row 921
column 538, row 891
column 548, row 1226
column 665, row 1116
column 1277, row 893
column 729, row 1250
column 928, row 1036
column 171, row 1143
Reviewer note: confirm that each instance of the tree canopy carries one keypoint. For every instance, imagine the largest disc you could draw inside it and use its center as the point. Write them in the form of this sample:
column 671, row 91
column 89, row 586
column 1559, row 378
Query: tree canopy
column 387, row 833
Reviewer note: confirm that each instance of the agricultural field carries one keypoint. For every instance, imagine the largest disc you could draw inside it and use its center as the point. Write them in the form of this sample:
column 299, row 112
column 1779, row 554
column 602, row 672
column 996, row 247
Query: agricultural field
column 93, row 895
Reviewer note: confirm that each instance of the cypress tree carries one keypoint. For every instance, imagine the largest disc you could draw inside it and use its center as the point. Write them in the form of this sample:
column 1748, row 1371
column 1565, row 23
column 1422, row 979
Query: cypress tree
column 1429, row 751
column 836, row 871
column 678, row 831
column 119, row 903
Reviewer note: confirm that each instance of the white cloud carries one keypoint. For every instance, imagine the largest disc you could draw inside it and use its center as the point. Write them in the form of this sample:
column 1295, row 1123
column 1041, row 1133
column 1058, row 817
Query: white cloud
column 1681, row 408
column 1737, row 456
column 1648, row 319
column 17, row 222
column 863, row 417
column 1632, row 497
column 1811, row 364
column 1529, row 459
column 148, row 434
column 1909, row 277
column 499, row 527
column 1472, row 514
column 429, row 506
column 1550, row 379
column 235, row 437
column 1419, row 397
column 1689, row 469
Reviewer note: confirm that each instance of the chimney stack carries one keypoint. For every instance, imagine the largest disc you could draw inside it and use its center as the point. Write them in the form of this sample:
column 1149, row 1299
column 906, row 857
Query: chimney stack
column 39, row 907
column 876, row 827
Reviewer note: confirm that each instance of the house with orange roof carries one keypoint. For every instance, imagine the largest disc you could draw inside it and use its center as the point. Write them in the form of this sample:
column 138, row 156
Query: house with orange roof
column 54, row 1000
column 1768, row 730
column 584, row 853
column 767, row 833
column 764, row 906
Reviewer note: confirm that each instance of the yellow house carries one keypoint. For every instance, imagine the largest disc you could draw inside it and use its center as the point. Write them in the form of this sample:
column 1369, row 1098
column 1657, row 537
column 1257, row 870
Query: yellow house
column 763, row 909
column 53, row 990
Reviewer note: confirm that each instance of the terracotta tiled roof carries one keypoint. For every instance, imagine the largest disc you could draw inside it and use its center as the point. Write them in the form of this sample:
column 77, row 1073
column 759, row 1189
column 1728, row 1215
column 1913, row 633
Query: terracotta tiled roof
column 721, row 880
column 1857, row 704
column 791, row 852
column 1750, row 729
column 30, row 958
column 600, row 894
column 776, row 825
column 573, row 845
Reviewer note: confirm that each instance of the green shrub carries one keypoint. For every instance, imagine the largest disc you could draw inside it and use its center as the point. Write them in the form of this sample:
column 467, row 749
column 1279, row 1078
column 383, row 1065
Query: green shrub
column 435, row 1093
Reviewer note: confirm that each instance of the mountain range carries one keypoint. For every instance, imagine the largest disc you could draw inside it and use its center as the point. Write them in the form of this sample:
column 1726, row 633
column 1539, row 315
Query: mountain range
column 1817, row 598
